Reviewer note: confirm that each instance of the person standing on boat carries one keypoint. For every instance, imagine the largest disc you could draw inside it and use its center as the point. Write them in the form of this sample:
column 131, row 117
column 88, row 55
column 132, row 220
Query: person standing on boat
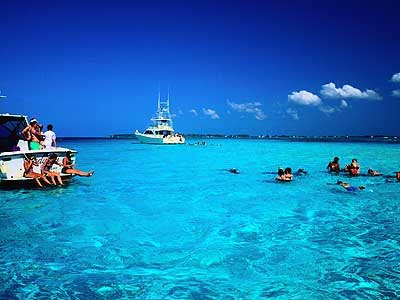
column 50, row 137
column 32, row 134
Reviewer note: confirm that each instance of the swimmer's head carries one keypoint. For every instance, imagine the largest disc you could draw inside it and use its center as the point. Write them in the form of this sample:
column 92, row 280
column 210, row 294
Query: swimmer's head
column 336, row 159
column 288, row 170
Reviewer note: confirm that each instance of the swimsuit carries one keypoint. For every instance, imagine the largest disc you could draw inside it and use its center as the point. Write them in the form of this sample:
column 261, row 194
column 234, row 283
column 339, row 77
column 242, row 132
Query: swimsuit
column 34, row 145
column 30, row 170
column 64, row 169
column 48, row 167
column 351, row 189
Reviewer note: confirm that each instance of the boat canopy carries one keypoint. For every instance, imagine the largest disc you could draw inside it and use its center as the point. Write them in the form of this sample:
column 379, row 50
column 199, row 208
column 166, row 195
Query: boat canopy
column 10, row 130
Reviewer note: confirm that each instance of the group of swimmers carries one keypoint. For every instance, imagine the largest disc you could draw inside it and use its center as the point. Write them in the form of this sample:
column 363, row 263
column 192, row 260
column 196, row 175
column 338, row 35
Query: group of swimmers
column 38, row 140
column 353, row 169
column 47, row 175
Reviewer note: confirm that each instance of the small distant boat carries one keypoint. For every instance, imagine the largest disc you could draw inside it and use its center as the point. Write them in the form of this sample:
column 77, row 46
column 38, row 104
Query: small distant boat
column 162, row 131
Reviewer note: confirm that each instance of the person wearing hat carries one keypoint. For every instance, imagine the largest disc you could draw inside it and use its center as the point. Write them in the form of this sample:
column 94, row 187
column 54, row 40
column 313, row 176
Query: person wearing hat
column 68, row 167
column 32, row 135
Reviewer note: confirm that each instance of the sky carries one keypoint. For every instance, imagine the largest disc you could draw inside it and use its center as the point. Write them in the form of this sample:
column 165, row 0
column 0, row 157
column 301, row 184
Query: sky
column 94, row 68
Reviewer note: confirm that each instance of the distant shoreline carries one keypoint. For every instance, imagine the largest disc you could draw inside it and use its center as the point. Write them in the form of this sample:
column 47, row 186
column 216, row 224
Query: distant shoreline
column 292, row 138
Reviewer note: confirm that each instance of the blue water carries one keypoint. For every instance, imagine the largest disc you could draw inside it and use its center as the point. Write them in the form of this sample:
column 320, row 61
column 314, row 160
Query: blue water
column 167, row 222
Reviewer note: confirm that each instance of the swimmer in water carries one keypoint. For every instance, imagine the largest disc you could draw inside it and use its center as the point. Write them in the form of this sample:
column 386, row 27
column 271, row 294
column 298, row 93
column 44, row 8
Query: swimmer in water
column 373, row 173
column 333, row 166
column 349, row 187
column 301, row 172
column 234, row 171
column 281, row 175
column 288, row 174
column 354, row 168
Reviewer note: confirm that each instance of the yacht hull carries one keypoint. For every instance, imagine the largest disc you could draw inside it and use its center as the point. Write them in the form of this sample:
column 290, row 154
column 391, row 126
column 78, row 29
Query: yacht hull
column 159, row 140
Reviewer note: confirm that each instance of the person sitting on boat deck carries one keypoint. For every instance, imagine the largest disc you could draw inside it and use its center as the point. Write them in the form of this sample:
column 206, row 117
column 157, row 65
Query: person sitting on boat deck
column 68, row 167
column 29, row 162
column 349, row 187
column 234, row 171
column 49, row 137
column 32, row 134
column 353, row 168
column 373, row 173
column 333, row 166
column 46, row 169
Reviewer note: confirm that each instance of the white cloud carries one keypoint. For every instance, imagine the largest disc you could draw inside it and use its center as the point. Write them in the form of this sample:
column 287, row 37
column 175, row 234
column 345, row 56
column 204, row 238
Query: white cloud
column 253, row 108
column 293, row 113
column 396, row 77
column 194, row 112
column 329, row 90
column 396, row 93
column 304, row 98
column 343, row 104
column 326, row 109
column 211, row 113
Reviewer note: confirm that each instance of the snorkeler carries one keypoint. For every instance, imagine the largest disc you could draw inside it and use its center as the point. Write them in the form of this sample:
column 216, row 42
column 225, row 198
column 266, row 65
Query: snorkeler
column 333, row 166
column 68, row 167
column 234, row 171
column 349, row 187
column 300, row 172
column 373, row 173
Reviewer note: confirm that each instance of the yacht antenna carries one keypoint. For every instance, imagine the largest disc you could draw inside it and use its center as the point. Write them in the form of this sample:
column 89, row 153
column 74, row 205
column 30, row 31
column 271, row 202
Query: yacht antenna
column 159, row 99
column 168, row 97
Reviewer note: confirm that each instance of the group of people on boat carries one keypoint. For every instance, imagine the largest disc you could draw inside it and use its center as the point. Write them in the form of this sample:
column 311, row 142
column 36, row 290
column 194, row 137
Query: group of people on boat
column 47, row 175
column 37, row 140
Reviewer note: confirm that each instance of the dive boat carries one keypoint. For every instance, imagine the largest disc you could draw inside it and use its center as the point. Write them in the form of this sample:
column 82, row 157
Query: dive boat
column 161, row 132
column 14, row 149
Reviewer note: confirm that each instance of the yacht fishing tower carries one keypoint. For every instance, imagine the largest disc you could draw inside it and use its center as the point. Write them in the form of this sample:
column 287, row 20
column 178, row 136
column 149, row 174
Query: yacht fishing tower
column 162, row 131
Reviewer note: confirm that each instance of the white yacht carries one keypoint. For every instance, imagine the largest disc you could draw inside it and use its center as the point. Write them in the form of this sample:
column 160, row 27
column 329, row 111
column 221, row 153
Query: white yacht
column 14, row 149
column 161, row 132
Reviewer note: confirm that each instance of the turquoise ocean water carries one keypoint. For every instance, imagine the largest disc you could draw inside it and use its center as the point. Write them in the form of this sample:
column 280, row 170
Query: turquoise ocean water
column 167, row 222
